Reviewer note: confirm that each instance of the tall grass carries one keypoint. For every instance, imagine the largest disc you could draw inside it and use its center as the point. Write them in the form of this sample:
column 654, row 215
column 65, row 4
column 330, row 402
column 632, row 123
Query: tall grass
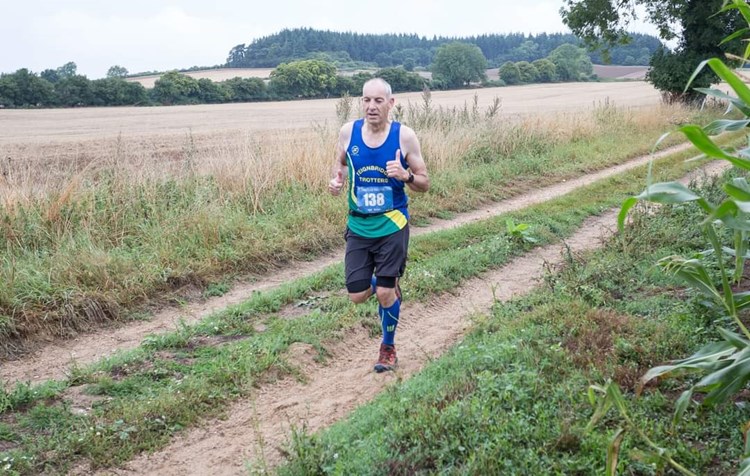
column 88, row 237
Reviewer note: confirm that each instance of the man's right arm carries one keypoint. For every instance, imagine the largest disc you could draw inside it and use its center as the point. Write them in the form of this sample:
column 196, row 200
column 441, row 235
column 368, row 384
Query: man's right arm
column 340, row 164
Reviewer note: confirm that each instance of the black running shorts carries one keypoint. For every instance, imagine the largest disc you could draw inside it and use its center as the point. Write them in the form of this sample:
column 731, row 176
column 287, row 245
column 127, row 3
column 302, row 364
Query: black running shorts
column 384, row 257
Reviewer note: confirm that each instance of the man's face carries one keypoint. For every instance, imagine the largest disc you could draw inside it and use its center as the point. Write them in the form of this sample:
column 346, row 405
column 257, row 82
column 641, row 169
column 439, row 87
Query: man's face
column 376, row 104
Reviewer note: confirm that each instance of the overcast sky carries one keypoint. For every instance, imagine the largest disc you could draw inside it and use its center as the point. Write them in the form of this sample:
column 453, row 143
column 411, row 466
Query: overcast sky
column 143, row 35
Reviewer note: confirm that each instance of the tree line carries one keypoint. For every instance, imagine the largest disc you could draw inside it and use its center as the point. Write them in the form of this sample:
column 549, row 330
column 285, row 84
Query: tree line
column 411, row 51
column 455, row 65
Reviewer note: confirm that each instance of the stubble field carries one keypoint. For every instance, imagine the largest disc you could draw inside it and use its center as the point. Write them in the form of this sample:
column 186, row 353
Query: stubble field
column 37, row 127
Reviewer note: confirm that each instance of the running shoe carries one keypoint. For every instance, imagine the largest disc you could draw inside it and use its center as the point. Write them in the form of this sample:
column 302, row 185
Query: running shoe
column 387, row 359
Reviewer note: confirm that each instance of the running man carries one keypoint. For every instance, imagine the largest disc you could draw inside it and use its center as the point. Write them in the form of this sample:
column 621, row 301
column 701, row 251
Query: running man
column 379, row 158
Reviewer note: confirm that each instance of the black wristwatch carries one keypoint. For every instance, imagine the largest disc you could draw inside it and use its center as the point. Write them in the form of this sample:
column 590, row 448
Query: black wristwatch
column 411, row 178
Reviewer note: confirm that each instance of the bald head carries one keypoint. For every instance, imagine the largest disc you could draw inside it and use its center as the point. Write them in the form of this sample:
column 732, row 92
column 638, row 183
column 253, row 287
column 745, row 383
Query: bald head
column 377, row 102
column 380, row 84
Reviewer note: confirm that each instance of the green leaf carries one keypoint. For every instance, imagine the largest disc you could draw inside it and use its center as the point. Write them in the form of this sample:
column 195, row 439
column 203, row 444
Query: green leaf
column 708, row 357
column 668, row 192
column 726, row 209
column 736, row 224
column 736, row 34
column 734, row 101
column 737, row 340
column 726, row 74
column 613, row 452
column 681, row 405
column 693, row 272
column 702, row 142
column 723, row 125
column 603, row 404
column 737, row 191
column 626, row 206
column 736, row 5
column 727, row 381
column 744, row 467
column 741, row 300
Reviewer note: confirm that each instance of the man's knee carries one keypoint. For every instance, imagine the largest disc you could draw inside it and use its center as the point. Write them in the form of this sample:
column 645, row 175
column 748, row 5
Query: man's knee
column 360, row 297
column 359, row 291
column 386, row 290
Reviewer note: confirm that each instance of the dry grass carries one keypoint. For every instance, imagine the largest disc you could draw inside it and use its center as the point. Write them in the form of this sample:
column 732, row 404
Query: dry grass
column 92, row 228
column 245, row 162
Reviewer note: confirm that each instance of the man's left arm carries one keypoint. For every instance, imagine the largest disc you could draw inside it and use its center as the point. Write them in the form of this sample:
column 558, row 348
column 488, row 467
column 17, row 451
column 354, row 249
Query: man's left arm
column 413, row 154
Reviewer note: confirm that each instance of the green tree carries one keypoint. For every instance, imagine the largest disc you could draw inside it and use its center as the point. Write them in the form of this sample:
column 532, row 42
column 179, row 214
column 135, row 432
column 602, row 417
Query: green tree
column 346, row 85
column 510, row 73
column 117, row 72
column 212, row 93
column 603, row 23
column 117, row 92
column 401, row 80
column 176, row 88
column 246, row 89
column 74, row 91
column 68, row 70
column 24, row 88
column 50, row 75
column 529, row 73
column 546, row 69
column 307, row 78
column 458, row 64
column 571, row 63
column 359, row 79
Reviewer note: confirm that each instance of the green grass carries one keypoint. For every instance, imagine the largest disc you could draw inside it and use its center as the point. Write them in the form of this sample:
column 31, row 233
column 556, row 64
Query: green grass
column 174, row 380
column 511, row 397
column 71, row 261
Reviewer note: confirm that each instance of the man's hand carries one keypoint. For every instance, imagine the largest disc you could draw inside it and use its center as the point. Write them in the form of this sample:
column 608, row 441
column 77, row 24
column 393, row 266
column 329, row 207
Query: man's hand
column 336, row 183
column 394, row 169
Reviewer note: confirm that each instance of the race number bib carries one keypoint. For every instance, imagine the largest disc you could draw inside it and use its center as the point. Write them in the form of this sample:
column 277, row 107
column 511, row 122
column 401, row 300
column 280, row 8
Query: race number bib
column 374, row 199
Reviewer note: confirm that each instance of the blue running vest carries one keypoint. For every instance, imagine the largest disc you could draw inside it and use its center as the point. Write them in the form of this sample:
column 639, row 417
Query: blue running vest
column 377, row 203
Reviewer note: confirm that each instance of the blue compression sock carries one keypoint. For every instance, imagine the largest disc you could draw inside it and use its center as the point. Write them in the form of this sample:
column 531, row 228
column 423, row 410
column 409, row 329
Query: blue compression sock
column 373, row 284
column 389, row 321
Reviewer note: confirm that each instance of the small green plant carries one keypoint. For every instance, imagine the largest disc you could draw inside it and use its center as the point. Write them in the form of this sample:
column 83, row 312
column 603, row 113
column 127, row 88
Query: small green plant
column 608, row 396
column 519, row 232
column 216, row 289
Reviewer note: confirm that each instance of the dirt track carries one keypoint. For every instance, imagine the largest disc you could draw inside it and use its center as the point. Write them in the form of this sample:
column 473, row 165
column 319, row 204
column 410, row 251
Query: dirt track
column 54, row 360
column 257, row 428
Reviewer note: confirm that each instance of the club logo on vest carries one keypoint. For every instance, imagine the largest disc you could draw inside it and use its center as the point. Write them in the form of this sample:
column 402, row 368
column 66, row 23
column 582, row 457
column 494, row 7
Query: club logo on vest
column 355, row 150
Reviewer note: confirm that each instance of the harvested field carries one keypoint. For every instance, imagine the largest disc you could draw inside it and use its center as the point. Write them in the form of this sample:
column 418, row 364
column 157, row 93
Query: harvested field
column 221, row 74
column 37, row 127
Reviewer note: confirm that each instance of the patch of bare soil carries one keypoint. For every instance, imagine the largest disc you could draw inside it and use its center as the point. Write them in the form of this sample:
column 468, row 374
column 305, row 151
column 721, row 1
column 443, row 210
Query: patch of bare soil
column 257, row 429
column 53, row 361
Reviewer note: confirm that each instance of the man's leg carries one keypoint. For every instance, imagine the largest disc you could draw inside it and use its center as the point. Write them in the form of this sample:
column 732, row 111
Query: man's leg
column 359, row 266
column 390, row 259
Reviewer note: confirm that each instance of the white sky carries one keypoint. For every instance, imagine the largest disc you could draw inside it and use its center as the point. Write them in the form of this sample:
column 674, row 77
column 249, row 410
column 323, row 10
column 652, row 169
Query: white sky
column 160, row 35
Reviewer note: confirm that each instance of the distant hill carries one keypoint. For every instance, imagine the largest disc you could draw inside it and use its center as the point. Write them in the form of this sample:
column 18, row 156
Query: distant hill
column 410, row 50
